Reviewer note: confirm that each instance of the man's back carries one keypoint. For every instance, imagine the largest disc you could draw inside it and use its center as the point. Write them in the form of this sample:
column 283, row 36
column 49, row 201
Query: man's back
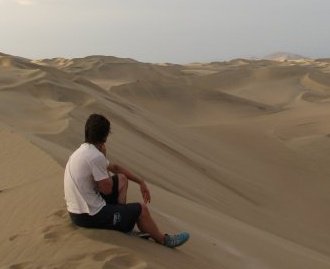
column 85, row 166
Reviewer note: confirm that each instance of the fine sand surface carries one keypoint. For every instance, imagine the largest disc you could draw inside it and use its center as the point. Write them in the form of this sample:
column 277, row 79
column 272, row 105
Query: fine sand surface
column 236, row 153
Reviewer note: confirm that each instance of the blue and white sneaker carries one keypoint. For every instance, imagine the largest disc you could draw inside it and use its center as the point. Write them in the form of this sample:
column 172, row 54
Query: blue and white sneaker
column 175, row 240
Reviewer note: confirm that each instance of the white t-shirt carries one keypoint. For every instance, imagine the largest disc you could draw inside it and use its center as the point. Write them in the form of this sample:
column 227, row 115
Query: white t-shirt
column 85, row 166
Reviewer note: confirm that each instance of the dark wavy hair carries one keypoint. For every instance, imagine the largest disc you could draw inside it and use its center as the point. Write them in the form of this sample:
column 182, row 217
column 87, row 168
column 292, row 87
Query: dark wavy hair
column 97, row 129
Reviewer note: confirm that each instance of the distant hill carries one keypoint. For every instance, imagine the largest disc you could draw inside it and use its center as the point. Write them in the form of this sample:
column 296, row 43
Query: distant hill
column 324, row 60
column 285, row 56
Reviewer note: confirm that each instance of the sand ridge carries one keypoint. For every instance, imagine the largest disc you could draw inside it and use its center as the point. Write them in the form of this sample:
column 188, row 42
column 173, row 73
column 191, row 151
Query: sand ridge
column 234, row 152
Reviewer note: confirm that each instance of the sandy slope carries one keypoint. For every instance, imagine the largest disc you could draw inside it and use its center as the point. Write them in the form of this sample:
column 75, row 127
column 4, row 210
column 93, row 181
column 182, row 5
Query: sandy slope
column 234, row 152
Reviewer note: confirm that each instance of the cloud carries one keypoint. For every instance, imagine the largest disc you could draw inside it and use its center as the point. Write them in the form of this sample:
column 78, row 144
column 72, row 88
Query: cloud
column 25, row 2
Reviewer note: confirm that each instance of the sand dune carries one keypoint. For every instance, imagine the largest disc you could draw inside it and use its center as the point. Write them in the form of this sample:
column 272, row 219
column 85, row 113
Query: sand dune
column 111, row 71
column 236, row 153
column 285, row 56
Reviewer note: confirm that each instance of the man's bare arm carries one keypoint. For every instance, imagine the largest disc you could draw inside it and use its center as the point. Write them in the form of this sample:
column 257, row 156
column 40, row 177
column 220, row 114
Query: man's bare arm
column 117, row 169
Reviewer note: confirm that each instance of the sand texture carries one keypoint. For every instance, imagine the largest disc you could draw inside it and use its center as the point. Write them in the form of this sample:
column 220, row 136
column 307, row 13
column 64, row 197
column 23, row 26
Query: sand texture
column 237, row 153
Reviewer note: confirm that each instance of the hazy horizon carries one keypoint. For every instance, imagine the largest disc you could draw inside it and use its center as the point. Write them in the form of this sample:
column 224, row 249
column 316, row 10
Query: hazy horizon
column 179, row 31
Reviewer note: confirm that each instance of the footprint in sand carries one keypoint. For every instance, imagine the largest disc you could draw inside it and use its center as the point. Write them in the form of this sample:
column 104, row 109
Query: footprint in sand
column 13, row 237
column 51, row 233
column 18, row 235
column 59, row 227
column 62, row 213
column 58, row 232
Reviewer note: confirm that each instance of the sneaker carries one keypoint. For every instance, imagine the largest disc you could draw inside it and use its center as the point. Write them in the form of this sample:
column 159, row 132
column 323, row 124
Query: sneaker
column 175, row 240
column 140, row 234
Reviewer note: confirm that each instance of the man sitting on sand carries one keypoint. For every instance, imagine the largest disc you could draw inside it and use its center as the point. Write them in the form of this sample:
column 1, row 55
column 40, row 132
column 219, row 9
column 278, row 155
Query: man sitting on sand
column 97, row 200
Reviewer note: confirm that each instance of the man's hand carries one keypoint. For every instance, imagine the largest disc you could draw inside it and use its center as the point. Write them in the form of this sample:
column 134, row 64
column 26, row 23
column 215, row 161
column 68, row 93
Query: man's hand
column 145, row 192
column 117, row 169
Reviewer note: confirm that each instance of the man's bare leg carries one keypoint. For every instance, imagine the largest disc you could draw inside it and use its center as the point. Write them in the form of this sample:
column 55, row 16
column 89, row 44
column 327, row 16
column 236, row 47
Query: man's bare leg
column 145, row 222
column 147, row 225
column 122, row 188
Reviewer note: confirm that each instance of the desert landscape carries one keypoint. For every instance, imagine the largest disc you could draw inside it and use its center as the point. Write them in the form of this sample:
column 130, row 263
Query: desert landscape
column 234, row 152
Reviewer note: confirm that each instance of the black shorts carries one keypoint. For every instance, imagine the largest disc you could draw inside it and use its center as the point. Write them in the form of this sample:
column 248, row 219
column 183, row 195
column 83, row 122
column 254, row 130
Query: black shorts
column 112, row 216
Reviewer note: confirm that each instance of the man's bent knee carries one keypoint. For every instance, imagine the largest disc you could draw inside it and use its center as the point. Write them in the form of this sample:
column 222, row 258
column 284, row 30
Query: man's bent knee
column 123, row 180
column 144, row 210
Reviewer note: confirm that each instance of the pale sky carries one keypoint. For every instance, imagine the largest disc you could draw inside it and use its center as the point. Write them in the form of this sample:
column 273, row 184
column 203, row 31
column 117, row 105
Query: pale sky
column 176, row 31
